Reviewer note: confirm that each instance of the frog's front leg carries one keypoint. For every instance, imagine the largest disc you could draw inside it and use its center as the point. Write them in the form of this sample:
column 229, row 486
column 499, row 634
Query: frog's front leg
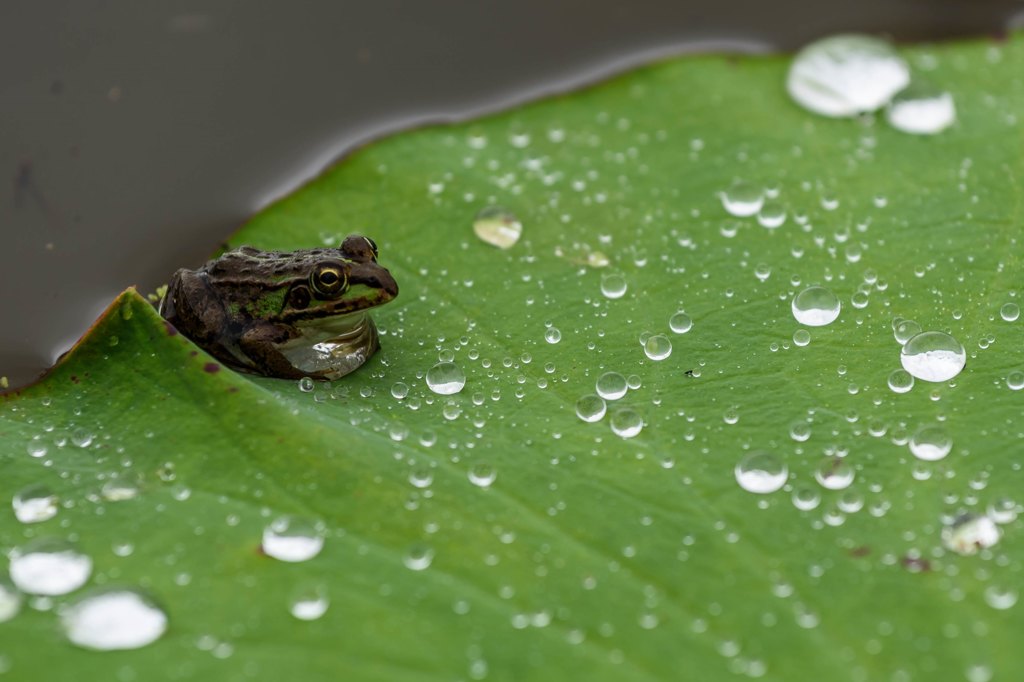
column 259, row 343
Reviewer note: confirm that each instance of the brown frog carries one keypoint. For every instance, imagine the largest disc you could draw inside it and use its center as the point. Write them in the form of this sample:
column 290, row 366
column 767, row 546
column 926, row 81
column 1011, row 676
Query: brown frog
column 284, row 314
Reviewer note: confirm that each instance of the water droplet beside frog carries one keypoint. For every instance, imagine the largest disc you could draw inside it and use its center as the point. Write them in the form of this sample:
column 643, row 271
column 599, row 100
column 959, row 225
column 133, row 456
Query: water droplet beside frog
column 284, row 314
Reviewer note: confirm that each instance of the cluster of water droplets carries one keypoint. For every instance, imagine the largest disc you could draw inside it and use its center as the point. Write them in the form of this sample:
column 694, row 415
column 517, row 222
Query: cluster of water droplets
column 851, row 75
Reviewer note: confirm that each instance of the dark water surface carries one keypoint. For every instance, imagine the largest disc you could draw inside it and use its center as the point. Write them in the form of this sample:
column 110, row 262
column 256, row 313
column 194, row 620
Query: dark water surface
column 134, row 137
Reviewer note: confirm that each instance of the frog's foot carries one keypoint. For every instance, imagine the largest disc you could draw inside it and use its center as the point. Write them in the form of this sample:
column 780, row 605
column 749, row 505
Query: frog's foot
column 335, row 356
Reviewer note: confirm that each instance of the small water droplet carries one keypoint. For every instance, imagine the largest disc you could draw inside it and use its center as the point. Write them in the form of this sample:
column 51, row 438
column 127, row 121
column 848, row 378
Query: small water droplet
column 900, row 381
column 772, row 215
column 742, row 199
column 1003, row 510
column 482, row 474
column 10, row 600
column 930, row 443
column 119, row 488
column 626, row 422
column 815, row 307
column 498, row 227
column 293, row 539
column 445, row 378
column 1001, row 597
column 834, row 473
column 613, row 285
column 978, row 672
column 933, row 356
column 761, row 472
column 904, row 330
column 1009, row 312
column 421, row 477
column 801, row 337
column 36, row 448
column 418, row 558
column 680, row 323
column 399, row 390
column 591, row 408
column 306, row 384
column 552, row 335
column 658, row 347
column 846, row 75
column 799, row 431
column 611, row 386
column 806, row 499
column 309, row 602
column 921, row 110
column 35, row 503
column 49, row 566
column 81, row 438
column 113, row 618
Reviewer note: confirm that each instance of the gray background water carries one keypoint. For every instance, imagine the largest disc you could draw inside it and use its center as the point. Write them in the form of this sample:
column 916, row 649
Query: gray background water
column 135, row 136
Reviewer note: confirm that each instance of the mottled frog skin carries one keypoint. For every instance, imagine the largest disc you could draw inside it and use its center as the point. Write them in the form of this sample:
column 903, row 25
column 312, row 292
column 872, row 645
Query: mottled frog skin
column 284, row 314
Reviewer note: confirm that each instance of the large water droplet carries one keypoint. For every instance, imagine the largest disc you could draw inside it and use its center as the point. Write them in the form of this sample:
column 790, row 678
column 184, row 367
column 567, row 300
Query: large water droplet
column 933, row 356
column 930, row 443
column 498, row 227
column 846, row 75
column 591, row 408
column 761, row 472
column 293, row 539
column 611, row 386
column 113, row 619
column 34, row 503
column 969, row 533
column 816, row 307
column 445, row 378
column 921, row 110
column 49, row 566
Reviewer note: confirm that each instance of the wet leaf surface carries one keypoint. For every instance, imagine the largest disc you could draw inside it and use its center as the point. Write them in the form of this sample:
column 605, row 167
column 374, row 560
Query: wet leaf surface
column 493, row 533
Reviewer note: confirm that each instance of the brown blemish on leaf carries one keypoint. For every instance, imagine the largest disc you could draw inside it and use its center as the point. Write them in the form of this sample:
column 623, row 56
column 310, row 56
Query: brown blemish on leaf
column 916, row 564
column 171, row 330
column 211, row 367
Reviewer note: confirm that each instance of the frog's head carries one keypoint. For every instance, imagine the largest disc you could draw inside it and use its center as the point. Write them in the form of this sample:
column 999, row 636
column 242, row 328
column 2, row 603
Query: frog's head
column 338, row 282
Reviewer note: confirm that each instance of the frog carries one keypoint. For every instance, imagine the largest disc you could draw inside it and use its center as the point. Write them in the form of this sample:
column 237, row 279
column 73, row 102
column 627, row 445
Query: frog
column 284, row 314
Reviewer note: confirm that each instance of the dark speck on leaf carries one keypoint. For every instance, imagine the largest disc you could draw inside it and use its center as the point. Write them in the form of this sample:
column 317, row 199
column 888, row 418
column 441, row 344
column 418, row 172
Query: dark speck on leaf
column 74, row 378
column 171, row 331
column 232, row 389
column 689, row 372
column 211, row 367
column 916, row 564
column 194, row 353
column 863, row 550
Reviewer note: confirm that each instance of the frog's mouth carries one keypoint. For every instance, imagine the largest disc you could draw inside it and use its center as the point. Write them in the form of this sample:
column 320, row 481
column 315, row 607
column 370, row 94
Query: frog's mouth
column 336, row 329
column 332, row 347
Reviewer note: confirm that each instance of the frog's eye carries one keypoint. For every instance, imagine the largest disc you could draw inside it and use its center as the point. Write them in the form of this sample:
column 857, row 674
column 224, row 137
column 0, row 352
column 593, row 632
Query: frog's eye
column 328, row 280
column 373, row 246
